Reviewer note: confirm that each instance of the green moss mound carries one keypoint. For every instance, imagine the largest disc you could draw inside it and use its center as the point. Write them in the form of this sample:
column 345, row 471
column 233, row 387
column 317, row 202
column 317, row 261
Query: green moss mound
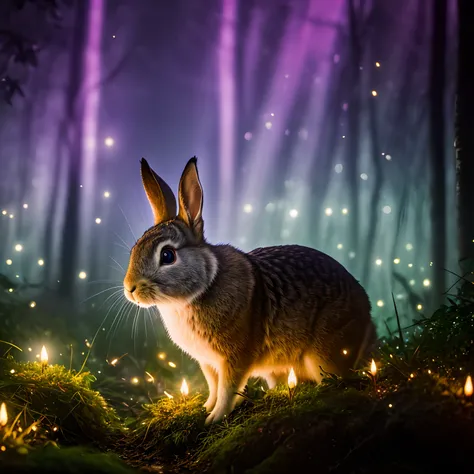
column 74, row 460
column 62, row 401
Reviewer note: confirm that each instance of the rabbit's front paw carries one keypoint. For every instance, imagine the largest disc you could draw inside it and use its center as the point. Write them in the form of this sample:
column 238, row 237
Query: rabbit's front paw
column 214, row 417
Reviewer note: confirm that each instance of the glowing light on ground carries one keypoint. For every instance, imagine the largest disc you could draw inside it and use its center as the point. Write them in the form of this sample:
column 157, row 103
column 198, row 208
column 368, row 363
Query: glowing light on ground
column 268, row 125
column 293, row 213
column 40, row 262
column 387, row 209
column 364, row 176
column 345, row 211
column 292, row 380
column 248, row 208
column 9, row 261
column 3, row 414
column 419, row 307
column 32, row 304
column 468, row 388
column 377, row 64
column 44, row 355
column 18, row 247
column 388, row 157
column 82, row 275
column 106, row 194
column 328, row 211
column 340, row 246
column 374, row 93
column 380, row 303
column 409, row 246
column 134, row 380
column 98, row 220
column 373, row 368
column 378, row 262
column 184, row 389
column 412, row 282
column 338, row 168
column 426, row 282
column 172, row 364
column 396, row 261
column 25, row 206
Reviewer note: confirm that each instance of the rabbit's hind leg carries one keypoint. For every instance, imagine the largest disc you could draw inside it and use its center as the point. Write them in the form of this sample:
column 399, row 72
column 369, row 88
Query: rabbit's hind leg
column 313, row 363
column 210, row 375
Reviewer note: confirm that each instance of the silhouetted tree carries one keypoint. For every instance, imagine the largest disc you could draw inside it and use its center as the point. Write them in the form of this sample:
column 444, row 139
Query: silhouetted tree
column 465, row 137
column 437, row 128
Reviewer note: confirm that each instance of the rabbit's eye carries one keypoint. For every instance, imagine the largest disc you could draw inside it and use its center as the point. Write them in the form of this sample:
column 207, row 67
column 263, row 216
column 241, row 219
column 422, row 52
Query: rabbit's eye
column 168, row 256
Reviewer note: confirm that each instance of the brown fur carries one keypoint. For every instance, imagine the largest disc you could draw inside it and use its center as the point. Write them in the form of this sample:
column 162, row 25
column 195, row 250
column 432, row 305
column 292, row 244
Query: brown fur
column 242, row 315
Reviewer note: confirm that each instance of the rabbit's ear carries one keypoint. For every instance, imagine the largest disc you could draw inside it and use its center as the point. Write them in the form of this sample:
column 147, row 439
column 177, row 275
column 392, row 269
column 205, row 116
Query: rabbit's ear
column 159, row 194
column 190, row 198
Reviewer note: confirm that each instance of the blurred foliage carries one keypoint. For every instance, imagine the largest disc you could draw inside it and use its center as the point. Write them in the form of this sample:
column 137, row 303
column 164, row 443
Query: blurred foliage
column 18, row 48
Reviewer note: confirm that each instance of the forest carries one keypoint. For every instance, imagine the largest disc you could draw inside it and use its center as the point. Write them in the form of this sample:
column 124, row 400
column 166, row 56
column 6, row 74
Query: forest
column 341, row 125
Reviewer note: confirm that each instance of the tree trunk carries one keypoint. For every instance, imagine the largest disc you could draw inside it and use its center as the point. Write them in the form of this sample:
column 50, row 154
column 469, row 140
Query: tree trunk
column 437, row 150
column 74, row 126
column 465, row 138
column 352, row 144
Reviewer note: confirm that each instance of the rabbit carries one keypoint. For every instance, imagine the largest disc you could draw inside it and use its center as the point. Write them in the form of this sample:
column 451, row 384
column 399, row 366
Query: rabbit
column 242, row 315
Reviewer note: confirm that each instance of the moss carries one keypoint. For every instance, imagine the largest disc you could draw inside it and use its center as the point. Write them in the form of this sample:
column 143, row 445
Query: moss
column 74, row 460
column 63, row 401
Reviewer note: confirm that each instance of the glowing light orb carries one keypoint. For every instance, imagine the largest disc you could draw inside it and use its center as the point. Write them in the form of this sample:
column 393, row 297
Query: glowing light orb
column 378, row 262
column 345, row 211
column 4, row 212
column 352, row 255
column 40, row 262
column 387, row 209
column 388, row 157
column 293, row 213
column 10, row 290
column 134, row 380
column 268, row 125
column 328, row 211
column 374, row 93
column 32, row 304
column 25, row 206
column 9, row 261
column 3, row 414
column 380, row 303
column 377, row 64
column 106, row 194
column 18, row 247
column 426, row 282
column 412, row 282
column 162, row 356
column 410, row 265
column 340, row 246
column 172, row 364
column 248, row 208
column 338, row 168
column 419, row 307
column 98, row 220
column 292, row 380
column 468, row 389
column 82, row 275
column 409, row 246
column 373, row 368
column 345, row 351
column 11, row 216
column 248, row 136
column 114, row 362
column 184, row 389
column 364, row 176
column 270, row 207
column 109, row 142
column 44, row 355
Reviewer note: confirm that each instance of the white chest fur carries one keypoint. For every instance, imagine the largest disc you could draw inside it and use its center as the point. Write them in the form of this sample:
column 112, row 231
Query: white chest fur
column 177, row 320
